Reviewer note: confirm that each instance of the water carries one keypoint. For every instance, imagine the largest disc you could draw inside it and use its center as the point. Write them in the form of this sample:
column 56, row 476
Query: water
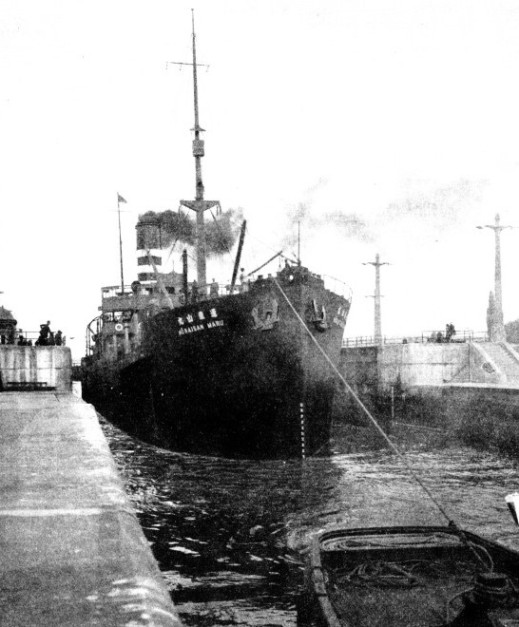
column 228, row 535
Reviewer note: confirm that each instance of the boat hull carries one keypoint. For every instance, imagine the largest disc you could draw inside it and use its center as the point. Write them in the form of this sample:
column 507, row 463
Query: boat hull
column 412, row 576
column 238, row 376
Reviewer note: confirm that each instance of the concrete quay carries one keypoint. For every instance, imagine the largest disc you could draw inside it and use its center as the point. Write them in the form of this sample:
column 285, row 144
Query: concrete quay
column 72, row 551
column 416, row 364
column 435, row 384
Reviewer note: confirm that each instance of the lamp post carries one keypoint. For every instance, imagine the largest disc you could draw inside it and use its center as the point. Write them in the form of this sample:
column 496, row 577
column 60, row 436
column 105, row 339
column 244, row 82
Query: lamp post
column 496, row 325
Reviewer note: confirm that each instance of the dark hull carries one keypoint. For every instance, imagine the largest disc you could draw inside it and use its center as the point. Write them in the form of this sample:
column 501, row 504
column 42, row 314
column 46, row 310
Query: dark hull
column 409, row 576
column 238, row 376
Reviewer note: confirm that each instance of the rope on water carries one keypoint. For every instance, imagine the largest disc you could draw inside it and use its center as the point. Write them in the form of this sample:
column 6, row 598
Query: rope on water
column 374, row 422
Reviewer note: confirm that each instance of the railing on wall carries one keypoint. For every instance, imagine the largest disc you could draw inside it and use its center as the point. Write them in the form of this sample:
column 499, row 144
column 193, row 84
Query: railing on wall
column 465, row 335
column 29, row 338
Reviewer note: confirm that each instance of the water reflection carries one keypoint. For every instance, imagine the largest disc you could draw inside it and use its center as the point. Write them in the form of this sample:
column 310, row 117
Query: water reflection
column 227, row 534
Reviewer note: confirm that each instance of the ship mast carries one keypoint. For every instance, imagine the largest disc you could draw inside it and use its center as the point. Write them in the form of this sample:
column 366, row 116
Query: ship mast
column 199, row 205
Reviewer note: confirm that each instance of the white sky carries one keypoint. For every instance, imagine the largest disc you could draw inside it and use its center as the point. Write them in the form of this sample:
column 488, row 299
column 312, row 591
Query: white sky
column 399, row 118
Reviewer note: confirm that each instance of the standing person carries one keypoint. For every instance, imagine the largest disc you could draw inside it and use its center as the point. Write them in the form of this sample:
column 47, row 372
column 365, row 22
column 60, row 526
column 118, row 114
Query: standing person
column 194, row 291
column 213, row 290
column 449, row 331
column 243, row 280
column 43, row 340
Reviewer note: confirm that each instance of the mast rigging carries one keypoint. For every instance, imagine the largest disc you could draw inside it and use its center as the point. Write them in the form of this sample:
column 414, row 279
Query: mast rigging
column 199, row 204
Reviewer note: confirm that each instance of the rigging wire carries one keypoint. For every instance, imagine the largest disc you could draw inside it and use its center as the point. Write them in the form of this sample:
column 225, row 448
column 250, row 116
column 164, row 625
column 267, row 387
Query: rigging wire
column 171, row 249
column 364, row 408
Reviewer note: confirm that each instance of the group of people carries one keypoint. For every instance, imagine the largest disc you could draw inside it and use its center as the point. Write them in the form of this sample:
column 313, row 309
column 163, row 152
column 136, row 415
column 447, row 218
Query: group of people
column 439, row 338
column 47, row 337
column 214, row 289
column 197, row 293
column 23, row 341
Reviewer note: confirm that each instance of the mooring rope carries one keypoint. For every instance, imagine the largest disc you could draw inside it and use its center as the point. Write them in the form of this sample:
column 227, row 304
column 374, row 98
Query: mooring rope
column 366, row 410
column 374, row 422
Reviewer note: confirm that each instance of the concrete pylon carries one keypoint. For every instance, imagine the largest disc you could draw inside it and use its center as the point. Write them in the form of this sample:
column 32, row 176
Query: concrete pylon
column 377, row 297
column 495, row 324
column 495, row 320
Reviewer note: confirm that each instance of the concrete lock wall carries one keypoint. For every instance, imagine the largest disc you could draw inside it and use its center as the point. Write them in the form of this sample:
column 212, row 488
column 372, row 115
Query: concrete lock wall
column 435, row 384
column 45, row 366
column 434, row 364
column 482, row 369
column 421, row 364
column 72, row 551
column 415, row 364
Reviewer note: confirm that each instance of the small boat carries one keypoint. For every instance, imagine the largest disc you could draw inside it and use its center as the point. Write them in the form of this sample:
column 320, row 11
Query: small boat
column 413, row 576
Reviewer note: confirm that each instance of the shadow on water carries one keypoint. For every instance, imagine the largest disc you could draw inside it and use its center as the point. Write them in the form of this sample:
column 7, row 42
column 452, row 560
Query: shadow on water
column 228, row 534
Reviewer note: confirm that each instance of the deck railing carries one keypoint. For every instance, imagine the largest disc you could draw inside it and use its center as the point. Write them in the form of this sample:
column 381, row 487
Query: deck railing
column 215, row 289
column 204, row 292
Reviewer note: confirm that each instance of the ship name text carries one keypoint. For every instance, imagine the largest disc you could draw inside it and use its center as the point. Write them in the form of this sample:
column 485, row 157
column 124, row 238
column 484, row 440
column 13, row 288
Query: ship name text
column 199, row 321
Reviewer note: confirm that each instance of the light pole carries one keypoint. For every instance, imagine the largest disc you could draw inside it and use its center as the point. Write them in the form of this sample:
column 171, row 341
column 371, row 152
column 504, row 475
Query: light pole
column 378, row 316
column 496, row 327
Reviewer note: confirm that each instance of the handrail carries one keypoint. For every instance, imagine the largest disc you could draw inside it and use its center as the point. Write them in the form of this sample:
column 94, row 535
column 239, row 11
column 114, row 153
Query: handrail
column 425, row 338
column 32, row 337
column 331, row 283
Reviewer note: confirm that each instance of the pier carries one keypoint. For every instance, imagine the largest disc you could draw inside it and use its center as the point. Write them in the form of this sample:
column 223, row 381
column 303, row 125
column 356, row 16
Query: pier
column 417, row 362
column 73, row 552
column 436, row 384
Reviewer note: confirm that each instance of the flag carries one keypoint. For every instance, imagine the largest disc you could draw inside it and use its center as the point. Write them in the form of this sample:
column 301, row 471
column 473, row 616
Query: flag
column 120, row 198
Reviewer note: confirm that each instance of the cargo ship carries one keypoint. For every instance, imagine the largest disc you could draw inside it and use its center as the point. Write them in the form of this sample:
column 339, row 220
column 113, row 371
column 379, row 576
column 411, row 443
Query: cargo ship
column 241, row 370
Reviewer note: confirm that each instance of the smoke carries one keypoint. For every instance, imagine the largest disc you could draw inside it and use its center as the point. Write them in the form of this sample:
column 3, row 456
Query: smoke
column 315, row 220
column 173, row 226
column 347, row 225
column 220, row 232
column 438, row 209
column 424, row 213
column 298, row 213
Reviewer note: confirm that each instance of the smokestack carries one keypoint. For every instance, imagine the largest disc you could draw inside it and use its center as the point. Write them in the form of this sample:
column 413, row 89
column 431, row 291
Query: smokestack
column 148, row 244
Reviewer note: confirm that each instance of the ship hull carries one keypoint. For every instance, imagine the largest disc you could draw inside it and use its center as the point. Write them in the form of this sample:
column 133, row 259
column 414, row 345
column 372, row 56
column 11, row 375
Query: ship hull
column 238, row 376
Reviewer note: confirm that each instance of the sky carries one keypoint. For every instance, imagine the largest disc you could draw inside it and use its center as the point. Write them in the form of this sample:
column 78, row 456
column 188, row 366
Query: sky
column 383, row 126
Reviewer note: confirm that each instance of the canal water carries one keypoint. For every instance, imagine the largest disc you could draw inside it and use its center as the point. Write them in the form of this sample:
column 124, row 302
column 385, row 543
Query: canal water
column 229, row 535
